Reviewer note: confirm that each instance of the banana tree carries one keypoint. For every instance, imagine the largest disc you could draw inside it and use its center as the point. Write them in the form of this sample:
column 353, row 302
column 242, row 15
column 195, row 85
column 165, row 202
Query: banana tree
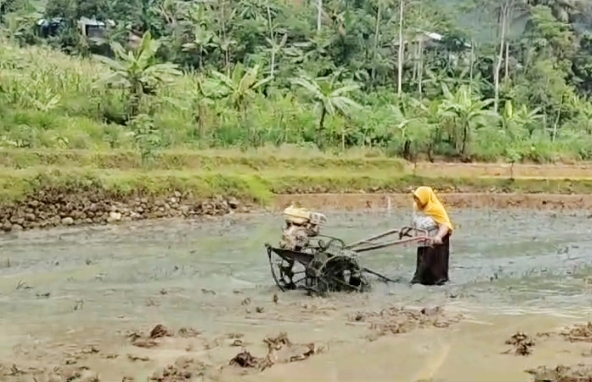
column 331, row 96
column 19, row 26
column 413, row 128
column 240, row 86
column 138, row 72
column 202, row 40
column 467, row 112
column 519, row 122
column 275, row 48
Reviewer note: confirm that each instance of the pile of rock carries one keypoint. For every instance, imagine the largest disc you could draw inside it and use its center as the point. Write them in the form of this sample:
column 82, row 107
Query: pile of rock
column 51, row 208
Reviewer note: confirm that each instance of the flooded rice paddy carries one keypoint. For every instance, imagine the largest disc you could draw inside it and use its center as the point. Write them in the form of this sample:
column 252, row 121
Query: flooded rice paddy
column 68, row 287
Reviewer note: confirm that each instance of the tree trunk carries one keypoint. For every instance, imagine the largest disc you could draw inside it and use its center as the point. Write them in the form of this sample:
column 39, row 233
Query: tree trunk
column 223, row 22
column 401, row 50
column 500, row 56
column 507, row 63
column 272, row 38
column 321, row 127
column 201, row 122
column 555, row 124
column 510, row 15
column 471, row 65
column 135, row 98
column 376, row 41
column 420, row 68
column 272, row 69
column 465, row 140
column 134, row 106
column 415, row 55
column 407, row 150
column 319, row 15
column 417, row 59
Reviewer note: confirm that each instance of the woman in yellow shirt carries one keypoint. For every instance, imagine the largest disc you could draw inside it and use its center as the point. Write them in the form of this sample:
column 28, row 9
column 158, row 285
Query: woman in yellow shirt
column 432, row 256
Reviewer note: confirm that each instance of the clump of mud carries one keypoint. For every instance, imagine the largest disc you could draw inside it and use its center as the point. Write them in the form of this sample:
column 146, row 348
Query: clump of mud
column 188, row 332
column 522, row 344
column 279, row 350
column 184, row 369
column 13, row 370
column 579, row 373
column 578, row 333
column 397, row 320
column 149, row 341
column 58, row 373
column 50, row 207
column 246, row 359
column 160, row 331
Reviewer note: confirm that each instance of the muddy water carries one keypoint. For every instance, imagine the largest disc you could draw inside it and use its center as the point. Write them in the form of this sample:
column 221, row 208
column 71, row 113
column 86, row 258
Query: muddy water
column 102, row 280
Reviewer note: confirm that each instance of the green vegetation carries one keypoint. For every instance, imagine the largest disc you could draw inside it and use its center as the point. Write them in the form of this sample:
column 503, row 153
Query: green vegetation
column 16, row 185
column 509, row 79
column 253, row 98
column 204, row 160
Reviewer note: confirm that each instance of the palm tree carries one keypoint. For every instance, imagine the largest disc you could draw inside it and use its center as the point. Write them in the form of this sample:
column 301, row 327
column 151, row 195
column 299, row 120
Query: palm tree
column 137, row 71
column 330, row 95
column 467, row 112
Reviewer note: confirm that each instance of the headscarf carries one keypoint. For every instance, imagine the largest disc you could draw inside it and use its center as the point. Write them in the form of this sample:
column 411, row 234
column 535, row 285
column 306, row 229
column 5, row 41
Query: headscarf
column 432, row 206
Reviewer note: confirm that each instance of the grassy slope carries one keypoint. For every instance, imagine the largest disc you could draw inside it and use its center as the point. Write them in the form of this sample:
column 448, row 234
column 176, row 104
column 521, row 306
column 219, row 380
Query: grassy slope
column 260, row 175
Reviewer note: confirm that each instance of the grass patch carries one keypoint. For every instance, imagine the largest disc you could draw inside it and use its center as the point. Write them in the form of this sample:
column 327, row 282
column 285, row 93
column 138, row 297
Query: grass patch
column 205, row 160
column 17, row 185
column 259, row 187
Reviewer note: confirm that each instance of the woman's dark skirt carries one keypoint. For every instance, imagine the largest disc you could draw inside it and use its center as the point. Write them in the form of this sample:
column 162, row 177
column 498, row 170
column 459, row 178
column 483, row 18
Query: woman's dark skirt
column 432, row 264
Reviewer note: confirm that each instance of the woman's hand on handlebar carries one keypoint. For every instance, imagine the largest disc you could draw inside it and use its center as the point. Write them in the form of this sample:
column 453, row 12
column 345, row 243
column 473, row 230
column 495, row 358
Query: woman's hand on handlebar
column 436, row 240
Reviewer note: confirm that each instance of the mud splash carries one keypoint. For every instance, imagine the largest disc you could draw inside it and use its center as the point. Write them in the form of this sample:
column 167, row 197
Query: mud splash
column 279, row 350
column 522, row 344
column 578, row 333
column 397, row 320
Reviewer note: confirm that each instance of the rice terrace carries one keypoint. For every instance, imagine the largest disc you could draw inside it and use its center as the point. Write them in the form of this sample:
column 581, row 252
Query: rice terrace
column 327, row 190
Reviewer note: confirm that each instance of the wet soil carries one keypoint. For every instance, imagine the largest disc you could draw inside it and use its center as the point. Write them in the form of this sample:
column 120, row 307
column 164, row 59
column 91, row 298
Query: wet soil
column 355, row 202
column 178, row 300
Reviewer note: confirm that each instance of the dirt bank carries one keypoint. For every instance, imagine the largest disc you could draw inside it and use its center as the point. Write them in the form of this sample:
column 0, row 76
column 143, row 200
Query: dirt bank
column 38, row 198
column 51, row 208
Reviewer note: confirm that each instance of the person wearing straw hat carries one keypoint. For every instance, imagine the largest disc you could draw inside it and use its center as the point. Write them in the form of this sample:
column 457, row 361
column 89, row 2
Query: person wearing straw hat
column 433, row 254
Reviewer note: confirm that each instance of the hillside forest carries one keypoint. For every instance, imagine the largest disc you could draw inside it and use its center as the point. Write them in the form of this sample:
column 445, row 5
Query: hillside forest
column 459, row 79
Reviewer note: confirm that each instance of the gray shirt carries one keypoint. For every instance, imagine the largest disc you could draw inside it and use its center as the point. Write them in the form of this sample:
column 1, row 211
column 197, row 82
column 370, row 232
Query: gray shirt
column 424, row 222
